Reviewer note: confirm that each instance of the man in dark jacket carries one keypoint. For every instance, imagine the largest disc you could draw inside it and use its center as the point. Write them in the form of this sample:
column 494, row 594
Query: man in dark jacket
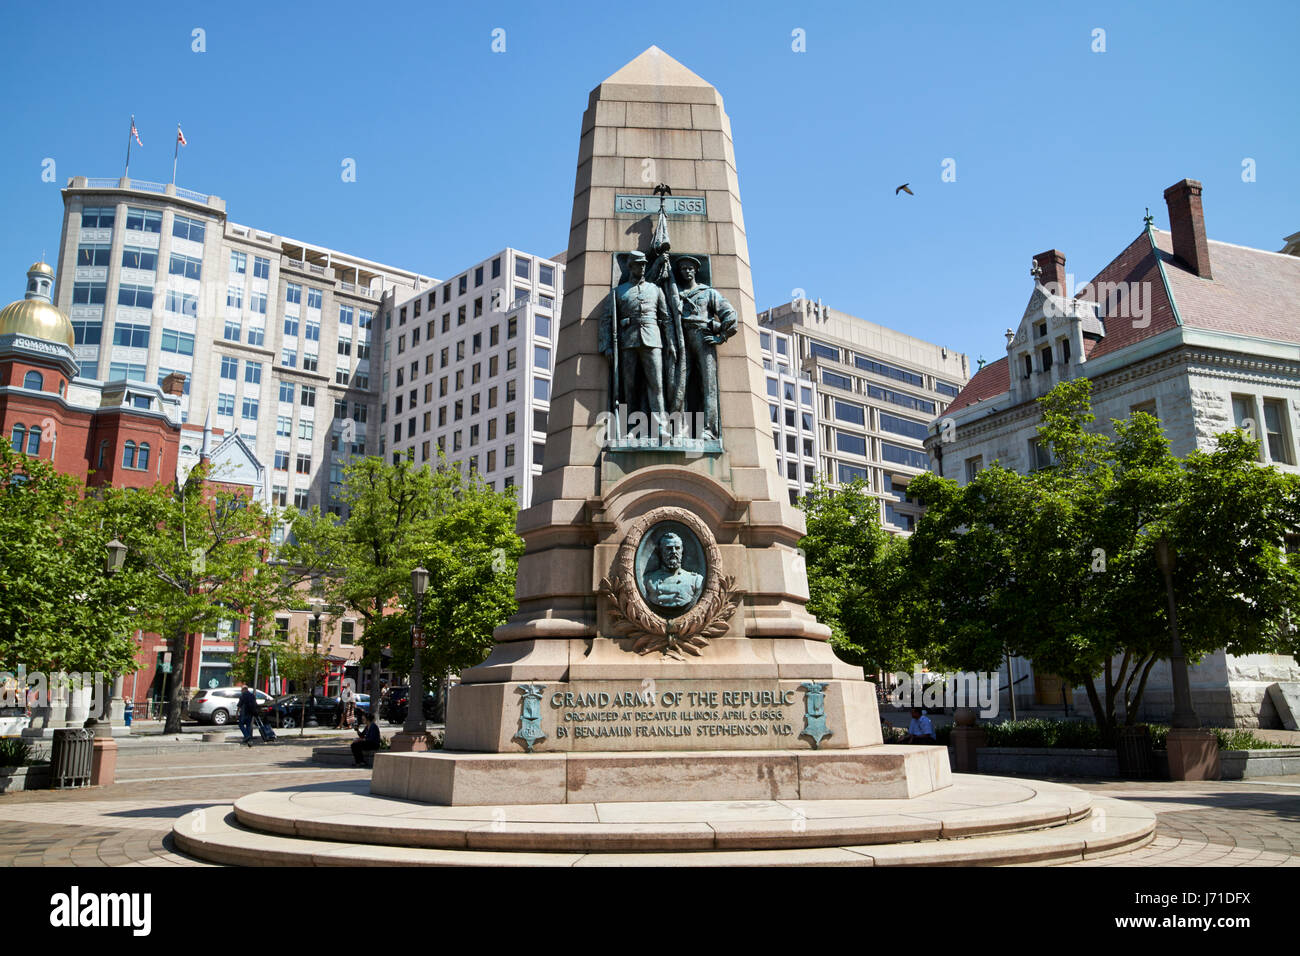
column 369, row 740
column 248, row 711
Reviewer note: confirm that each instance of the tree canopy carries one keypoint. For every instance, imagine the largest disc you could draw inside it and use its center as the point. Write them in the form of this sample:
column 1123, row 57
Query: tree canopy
column 1058, row 566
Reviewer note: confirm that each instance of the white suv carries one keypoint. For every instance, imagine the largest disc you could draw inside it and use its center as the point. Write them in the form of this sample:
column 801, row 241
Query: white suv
column 220, row 705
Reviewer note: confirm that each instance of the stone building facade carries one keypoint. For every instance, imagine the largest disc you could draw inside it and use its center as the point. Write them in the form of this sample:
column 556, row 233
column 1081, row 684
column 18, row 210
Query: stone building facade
column 1204, row 335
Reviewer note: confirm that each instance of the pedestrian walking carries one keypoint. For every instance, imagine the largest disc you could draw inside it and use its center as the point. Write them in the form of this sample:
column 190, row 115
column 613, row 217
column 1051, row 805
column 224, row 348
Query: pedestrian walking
column 248, row 712
column 347, row 713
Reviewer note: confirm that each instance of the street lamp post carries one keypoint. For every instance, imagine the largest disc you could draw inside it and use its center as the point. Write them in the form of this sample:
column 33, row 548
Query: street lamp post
column 414, row 735
column 1193, row 752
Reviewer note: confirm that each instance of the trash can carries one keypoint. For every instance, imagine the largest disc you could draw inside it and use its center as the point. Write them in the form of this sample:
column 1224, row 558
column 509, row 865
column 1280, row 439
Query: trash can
column 128, row 713
column 71, row 757
column 1133, row 751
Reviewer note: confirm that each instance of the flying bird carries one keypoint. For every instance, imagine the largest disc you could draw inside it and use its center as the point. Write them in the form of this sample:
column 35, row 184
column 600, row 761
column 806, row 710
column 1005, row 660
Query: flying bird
column 903, row 189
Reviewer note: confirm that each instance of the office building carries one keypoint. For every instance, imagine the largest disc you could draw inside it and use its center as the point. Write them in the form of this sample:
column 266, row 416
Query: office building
column 466, row 369
column 271, row 333
column 866, row 396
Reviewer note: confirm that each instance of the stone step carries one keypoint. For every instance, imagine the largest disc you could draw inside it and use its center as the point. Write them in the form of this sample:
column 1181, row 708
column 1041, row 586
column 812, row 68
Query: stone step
column 216, row 835
column 979, row 820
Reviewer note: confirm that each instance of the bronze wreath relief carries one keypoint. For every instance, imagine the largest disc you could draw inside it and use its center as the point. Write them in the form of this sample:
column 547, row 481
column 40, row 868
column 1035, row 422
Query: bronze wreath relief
column 660, row 597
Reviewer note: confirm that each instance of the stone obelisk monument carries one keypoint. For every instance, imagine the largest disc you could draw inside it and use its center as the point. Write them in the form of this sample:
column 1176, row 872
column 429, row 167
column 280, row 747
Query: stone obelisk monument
column 661, row 595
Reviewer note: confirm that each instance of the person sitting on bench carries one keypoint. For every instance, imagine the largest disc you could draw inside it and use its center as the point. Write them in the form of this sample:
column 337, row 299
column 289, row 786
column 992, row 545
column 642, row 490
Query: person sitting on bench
column 369, row 741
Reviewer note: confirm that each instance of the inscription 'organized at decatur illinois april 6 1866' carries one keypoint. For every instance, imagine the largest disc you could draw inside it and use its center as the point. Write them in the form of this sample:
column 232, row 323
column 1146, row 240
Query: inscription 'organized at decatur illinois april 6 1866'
column 676, row 713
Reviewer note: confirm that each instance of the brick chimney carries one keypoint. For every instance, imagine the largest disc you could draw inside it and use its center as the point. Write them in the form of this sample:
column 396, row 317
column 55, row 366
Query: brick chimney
column 1051, row 268
column 174, row 384
column 1187, row 223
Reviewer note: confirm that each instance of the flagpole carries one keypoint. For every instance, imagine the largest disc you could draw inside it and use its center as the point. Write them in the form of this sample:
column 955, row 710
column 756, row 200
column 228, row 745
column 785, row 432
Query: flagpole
column 126, row 174
column 176, row 152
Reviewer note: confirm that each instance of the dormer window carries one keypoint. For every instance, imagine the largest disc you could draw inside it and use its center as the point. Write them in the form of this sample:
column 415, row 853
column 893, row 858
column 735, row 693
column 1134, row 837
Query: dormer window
column 1029, row 365
column 1040, row 329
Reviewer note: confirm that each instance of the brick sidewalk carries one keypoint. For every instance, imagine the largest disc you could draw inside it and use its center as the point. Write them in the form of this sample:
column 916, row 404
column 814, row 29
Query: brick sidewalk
column 1237, row 823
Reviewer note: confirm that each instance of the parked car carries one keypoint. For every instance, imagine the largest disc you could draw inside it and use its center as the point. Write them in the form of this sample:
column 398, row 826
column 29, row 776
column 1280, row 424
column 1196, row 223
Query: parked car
column 289, row 710
column 393, row 708
column 220, row 705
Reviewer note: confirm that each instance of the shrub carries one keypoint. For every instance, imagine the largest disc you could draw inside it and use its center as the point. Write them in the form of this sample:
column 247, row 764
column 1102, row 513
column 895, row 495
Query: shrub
column 1037, row 732
column 16, row 752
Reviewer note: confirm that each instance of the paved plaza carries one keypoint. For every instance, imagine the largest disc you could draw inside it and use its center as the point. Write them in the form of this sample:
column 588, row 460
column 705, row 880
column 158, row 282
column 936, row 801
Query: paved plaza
column 1230, row 823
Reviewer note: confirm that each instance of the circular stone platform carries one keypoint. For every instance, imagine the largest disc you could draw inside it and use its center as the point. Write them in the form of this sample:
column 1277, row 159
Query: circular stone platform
column 978, row 820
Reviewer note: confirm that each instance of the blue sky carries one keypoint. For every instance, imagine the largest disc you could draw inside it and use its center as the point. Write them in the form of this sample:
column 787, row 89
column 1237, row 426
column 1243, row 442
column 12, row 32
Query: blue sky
column 460, row 151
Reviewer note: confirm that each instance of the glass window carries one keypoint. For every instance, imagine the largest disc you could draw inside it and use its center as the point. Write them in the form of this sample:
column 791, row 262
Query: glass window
column 903, row 426
column 889, row 371
column 1279, row 446
column 250, row 409
column 545, row 274
column 98, row 218
column 185, row 265
column 253, row 372
column 314, row 298
column 141, row 220
column 95, row 255
column 822, row 351
column 835, row 380
column 904, row 456
column 523, row 267
column 87, row 333
column 952, row 390
column 225, row 404
column 541, row 357
column 848, row 473
column 185, row 228
column 89, row 293
column 238, row 262
column 182, row 342
column 128, row 455
column 131, row 336
column 542, row 389
column 19, row 437
column 261, row 267
column 898, row 398
column 229, row 367
column 136, row 296
column 851, row 444
column 309, row 396
column 257, row 302
column 137, row 257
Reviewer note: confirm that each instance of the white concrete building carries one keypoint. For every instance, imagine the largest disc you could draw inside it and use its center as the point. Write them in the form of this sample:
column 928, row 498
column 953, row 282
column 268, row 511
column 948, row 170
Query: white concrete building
column 1204, row 335
column 865, row 397
column 272, row 333
column 467, row 365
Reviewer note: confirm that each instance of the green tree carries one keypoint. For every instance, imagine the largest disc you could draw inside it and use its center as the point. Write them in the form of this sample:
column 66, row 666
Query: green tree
column 204, row 551
column 59, row 608
column 858, row 578
column 305, row 666
column 1058, row 566
column 401, row 517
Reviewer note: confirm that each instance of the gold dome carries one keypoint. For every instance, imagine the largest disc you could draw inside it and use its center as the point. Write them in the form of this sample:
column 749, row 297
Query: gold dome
column 38, row 319
column 35, row 315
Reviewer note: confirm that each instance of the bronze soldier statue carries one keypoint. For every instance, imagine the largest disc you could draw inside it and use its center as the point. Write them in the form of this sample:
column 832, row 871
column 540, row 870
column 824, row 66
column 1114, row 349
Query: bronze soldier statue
column 708, row 320
column 642, row 323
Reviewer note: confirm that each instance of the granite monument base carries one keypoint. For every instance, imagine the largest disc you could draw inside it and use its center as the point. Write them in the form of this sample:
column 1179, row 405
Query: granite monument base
column 445, row 778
